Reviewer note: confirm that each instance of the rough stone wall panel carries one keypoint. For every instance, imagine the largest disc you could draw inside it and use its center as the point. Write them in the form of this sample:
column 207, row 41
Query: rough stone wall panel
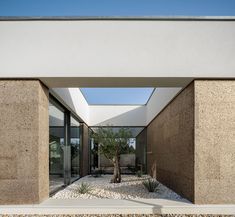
column 23, row 142
column 215, row 141
column 170, row 144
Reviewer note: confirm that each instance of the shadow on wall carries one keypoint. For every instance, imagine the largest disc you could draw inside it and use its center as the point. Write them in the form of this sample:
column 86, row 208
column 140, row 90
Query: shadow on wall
column 127, row 118
column 64, row 93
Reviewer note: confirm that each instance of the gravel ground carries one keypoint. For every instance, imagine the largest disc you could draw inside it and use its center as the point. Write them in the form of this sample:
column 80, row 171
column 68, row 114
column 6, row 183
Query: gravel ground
column 131, row 187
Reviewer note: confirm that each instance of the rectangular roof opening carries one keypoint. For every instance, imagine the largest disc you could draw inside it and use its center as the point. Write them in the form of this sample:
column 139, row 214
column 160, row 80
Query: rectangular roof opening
column 117, row 96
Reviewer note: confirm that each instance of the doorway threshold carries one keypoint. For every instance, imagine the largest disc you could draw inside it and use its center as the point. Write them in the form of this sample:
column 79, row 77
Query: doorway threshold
column 116, row 206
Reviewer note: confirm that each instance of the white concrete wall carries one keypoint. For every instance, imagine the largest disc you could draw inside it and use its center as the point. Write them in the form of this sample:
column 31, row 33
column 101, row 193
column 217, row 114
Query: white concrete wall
column 73, row 98
column 57, row 50
column 159, row 99
column 132, row 115
column 117, row 115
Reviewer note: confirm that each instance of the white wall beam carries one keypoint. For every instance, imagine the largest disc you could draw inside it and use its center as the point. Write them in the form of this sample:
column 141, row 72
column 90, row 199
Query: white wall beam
column 80, row 53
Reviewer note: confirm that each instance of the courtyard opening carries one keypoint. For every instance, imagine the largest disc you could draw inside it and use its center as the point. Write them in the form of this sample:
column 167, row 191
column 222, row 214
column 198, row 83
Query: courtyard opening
column 79, row 168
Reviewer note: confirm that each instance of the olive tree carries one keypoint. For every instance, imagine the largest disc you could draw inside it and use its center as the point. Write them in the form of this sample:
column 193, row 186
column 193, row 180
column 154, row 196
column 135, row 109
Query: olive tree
column 112, row 144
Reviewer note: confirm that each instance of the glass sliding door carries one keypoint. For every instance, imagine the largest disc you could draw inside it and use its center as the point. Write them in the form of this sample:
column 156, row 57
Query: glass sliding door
column 64, row 146
column 56, row 146
column 75, row 139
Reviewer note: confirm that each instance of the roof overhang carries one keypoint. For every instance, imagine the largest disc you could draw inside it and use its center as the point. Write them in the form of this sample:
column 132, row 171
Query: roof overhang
column 117, row 51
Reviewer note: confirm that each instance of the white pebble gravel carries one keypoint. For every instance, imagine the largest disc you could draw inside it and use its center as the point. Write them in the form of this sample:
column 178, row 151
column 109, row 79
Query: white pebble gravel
column 131, row 187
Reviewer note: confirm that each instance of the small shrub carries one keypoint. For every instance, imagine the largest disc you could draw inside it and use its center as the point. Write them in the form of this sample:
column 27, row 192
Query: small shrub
column 84, row 188
column 151, row 185
column 139, row 173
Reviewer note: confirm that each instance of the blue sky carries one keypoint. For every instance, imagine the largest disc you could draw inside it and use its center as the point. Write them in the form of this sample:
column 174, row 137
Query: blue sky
column 133, row 96
column 117, row 8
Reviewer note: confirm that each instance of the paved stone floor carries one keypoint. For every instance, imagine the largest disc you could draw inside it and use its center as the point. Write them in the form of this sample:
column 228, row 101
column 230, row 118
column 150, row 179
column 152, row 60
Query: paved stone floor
column 121, row 215
column 116, row 207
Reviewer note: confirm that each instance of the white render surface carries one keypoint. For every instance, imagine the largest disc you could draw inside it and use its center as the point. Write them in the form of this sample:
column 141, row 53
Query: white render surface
column 165, row 51
column 116, row 206
column 160, row 98
column 74, row 100
column 131, row 187
column 116, row 115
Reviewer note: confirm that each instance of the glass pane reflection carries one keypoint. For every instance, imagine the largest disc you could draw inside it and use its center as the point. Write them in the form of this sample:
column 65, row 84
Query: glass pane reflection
column 56, row 147
column 75, row 148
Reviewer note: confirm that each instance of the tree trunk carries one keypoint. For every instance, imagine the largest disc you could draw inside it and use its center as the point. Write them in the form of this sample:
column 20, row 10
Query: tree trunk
column 116, row 171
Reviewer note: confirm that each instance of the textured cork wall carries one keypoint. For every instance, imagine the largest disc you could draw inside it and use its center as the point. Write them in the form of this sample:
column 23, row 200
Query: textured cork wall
column 23, row 142
column 191, row 143
column 85, row 165
column 170, row 144
column 215, row 141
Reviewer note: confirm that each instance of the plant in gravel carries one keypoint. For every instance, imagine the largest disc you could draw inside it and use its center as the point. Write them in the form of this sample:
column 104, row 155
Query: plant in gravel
column 84, row 188
column 151, row 185
column 139, row 173
column 112, row 144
